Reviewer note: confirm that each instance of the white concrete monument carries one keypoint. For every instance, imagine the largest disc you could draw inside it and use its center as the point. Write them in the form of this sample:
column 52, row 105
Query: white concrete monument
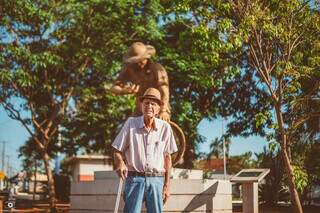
column 189, row 193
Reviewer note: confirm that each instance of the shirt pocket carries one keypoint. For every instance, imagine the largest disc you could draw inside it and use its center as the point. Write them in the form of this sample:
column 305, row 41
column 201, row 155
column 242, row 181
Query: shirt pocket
column 159, row 147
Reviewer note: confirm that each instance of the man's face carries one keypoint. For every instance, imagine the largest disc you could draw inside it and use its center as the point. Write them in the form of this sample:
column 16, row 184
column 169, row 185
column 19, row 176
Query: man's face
column 150, row 108
column 142, row 64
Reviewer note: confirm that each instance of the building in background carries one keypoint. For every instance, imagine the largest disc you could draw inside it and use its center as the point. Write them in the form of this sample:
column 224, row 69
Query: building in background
column 83, row 166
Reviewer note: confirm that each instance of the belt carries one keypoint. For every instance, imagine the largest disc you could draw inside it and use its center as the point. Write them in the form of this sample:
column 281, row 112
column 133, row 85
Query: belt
column 146, row 174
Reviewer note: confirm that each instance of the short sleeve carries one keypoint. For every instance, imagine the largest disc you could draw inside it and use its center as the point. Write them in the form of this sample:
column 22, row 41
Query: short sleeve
column 121, row 142
column 171, row 146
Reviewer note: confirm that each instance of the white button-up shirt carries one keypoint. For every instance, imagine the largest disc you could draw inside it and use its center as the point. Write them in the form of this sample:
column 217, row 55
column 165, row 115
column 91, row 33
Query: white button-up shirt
column 143, row 150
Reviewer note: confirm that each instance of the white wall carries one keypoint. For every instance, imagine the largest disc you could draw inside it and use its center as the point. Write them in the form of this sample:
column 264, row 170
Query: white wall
column 89, row 167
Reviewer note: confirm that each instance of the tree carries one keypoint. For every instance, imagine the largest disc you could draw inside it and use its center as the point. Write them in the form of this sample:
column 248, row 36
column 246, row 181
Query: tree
column 306, row 162
column 30, row 156
column 100, row 114
column 238, row 162
column 196, row 60
column 191, row 85
column 273, row 190
column 216, row 147
column 312, row 163
column 273, row 44
column 53, row 55
column 39, row 71
column 275, row 37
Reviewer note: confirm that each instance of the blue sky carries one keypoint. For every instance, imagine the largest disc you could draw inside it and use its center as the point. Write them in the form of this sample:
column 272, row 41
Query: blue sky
column 15, row 135
column 238, row 146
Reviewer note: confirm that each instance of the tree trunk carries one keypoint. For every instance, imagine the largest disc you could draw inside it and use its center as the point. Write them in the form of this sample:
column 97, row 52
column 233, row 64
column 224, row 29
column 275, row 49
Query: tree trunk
column 293, row 191
column 295, row 200
column 35, row 180
column 189, row 156
column 51, row 189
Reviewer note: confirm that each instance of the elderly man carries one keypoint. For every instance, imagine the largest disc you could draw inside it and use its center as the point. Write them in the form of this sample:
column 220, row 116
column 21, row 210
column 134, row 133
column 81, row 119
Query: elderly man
column 139, row 73
column 142, row 153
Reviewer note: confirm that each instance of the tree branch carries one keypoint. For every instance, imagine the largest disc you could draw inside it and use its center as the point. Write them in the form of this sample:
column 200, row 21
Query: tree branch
column 301, row 121
column 261, row 73
column 33, row 118
column 16, row 115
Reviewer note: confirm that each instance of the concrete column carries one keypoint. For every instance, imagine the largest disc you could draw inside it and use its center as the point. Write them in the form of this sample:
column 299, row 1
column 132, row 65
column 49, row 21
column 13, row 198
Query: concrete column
column 250, row 197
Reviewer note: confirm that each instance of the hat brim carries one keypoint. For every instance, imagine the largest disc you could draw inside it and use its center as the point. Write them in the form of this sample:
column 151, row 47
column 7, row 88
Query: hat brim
column 136, row 59
column 150, row 51
column 141, row 98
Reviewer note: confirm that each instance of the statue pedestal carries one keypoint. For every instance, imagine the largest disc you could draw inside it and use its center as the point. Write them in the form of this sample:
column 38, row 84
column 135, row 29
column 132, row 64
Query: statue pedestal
column 187, row 195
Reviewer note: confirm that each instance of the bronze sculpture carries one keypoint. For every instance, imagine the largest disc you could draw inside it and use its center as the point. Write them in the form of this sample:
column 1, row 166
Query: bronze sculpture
column 139, row 73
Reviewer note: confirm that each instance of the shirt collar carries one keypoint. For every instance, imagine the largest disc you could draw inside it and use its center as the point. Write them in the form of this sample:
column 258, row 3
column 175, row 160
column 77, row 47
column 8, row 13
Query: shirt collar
column 155, row 124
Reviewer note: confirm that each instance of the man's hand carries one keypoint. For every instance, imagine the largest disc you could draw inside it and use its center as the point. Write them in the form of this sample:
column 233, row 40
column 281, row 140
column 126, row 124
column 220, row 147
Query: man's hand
column 121, row 167
column 121, row 89
column 166, row 186
column 122, row 171
column 130, row 89
column 165, row 193
column 164, row 116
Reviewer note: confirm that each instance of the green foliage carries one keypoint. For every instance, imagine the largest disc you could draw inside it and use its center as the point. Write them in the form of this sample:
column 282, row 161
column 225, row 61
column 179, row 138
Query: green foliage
column 274, row 189
column 272, row 35
column 31, row 158
column 238, row 162
column 99, row 114
column 74, row 46
column 249, row 106
column 305, row 158
column 261, row 118
column 312, row 164
column 300, row 178
column 194, row 52
column 52, row 48
column 247, row 97
column 216, row 147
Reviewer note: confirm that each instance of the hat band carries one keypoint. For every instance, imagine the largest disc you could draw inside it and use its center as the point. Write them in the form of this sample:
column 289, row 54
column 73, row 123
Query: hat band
column 151, row 97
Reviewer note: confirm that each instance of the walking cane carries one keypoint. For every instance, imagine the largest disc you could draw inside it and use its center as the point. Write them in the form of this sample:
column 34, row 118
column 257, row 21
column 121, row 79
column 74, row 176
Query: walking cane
column 116, row 208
